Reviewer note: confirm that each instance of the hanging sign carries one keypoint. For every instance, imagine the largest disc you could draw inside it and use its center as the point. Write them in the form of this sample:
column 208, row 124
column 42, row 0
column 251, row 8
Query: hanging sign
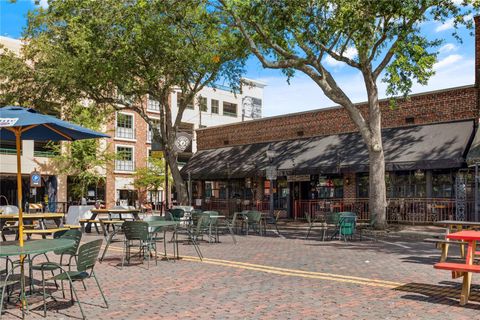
column 35, row 179
column 8, row 122
column 182, row 141
column 271, row 173
column 298, row 178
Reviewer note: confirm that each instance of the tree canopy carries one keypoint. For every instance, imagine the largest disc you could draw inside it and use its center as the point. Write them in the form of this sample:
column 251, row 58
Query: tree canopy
column 117, row 53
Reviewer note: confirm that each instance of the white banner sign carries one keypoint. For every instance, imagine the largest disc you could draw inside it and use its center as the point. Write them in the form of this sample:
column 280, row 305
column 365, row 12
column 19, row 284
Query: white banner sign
column 298, row 178
column 8, row 122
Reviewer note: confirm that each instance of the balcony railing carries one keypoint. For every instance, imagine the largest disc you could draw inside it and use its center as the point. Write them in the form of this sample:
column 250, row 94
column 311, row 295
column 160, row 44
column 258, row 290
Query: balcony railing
column 124, row 133
column 8, row 151
column 44, row 154
column 124, row 165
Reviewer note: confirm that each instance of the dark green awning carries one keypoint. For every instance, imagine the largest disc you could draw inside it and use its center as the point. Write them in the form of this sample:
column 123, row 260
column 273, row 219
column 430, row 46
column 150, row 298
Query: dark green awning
column 434, row 146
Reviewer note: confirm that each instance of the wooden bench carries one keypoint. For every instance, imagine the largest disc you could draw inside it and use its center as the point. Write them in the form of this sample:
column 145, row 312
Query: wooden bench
column 84, row 222
column 71, row 226
column 443, row 245
column 43, row 232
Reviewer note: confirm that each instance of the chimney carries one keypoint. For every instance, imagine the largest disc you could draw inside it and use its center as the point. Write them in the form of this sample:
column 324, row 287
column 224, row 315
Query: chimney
column 477, row 50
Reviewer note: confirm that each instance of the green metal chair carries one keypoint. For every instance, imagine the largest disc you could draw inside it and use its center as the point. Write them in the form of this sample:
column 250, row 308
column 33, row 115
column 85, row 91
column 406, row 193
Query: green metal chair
column 76, row 236
column 253, row 221
column 346, row 226
column 7, row 280
column 154, row 232
column 313, row 223
column 87, row 257
column 177, row 214
column 137, row 235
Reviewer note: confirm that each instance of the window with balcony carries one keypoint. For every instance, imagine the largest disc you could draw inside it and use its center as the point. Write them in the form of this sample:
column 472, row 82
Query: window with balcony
column 179, row 101
column 124, row 161
column 124, row 128
column 153, row 105
column 229, row 109
column 203, row 104
column 215, row 106
column 8, row 147
column 156, row 123
column 45, row 149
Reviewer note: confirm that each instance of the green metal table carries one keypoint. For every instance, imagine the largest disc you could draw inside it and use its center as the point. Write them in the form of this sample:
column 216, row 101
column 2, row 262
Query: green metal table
column 163, row 225
column 32, row 247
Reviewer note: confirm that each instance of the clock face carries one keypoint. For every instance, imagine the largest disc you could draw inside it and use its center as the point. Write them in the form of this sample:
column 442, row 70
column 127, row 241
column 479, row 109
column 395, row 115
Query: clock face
column 182, row 143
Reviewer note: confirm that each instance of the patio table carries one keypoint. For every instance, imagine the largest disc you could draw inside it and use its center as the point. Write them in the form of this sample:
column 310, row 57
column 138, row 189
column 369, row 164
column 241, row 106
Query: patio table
column 109, row 212
column 464, row 270
column 42, row 217
column 227, row 223
column 164, row 224
column 454, row 225
column 32, row 247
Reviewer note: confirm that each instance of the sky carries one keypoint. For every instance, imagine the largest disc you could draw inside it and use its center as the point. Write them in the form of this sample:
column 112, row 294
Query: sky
column 455, row 67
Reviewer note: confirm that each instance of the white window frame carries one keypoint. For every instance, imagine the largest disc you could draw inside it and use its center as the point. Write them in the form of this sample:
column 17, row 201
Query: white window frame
column 133, row 126
column 150, row 136
column 133, row 158
column 152, row 110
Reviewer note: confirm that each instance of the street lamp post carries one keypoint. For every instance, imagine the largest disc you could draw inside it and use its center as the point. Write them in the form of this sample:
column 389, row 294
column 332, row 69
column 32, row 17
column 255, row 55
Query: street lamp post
column 271, row 173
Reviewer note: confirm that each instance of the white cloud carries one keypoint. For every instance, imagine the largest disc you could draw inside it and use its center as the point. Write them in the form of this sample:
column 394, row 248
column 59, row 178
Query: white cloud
column 41, row 3
column 303, row 94
column 445, row 26
column 449, row 47
column 349, row 53
column 448, row 24
column 447, row 61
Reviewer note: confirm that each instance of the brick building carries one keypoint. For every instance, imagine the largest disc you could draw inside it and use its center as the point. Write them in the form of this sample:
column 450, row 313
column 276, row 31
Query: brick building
column 320, row 155
column 130, row 136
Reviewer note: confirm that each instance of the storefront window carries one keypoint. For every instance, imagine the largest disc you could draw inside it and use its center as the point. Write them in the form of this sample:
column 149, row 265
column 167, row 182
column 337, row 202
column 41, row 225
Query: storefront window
column 362, row 185
column 327, row 187
column 442, row 184
column 408, row 184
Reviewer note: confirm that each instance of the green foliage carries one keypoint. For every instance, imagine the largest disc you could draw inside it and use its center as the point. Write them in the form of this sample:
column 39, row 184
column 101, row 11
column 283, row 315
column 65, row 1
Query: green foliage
column 151, row 177
column 83, row 160
column 117, row 52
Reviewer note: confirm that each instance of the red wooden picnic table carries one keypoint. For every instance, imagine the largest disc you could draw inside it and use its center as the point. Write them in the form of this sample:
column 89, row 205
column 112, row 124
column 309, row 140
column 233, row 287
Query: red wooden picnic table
column 464, row 269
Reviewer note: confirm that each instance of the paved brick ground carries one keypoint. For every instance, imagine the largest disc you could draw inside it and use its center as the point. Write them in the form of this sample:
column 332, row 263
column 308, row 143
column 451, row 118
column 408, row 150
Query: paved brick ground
column 276, row 278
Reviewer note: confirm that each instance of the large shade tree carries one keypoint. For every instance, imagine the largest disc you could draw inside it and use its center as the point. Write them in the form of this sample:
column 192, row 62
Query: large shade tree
column 117, row 53
column 298, row 35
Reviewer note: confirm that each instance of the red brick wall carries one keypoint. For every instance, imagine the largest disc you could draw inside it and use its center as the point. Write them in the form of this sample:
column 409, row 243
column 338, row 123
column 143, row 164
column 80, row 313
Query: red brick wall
column 349, row 186
column 477, row 50
column 437, row 106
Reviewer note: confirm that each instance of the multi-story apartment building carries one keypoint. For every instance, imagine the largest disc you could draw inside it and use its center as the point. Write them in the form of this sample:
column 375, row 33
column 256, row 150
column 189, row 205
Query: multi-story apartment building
column 130, row 136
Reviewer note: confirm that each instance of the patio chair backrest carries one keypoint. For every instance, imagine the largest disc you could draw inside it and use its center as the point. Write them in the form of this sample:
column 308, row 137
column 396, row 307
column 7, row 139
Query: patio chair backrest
column 75, row 235
column 196, row 211
column 88, row 254
column 333, row 218
column 211, row 213
column 177, row 214
column 135, row 230
column 154, row 218
column 347, row 225
column 254, row 216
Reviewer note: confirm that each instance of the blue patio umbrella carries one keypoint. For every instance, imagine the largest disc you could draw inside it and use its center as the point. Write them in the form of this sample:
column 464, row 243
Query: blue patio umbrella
column 18, row 123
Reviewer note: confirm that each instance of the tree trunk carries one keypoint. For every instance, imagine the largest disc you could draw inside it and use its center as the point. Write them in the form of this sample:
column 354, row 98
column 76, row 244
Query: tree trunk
column 377, row 195
column 180, row 188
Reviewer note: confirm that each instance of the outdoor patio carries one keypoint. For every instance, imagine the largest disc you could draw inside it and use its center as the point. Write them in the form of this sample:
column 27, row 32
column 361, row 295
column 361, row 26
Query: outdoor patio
column 276, row 277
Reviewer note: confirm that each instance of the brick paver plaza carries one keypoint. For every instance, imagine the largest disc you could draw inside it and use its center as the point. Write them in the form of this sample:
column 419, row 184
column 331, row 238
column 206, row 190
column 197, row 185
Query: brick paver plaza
column 276, row 278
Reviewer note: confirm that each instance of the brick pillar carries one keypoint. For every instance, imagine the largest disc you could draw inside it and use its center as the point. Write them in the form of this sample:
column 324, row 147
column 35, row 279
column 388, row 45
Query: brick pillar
column 477, row 50
column 349, row 186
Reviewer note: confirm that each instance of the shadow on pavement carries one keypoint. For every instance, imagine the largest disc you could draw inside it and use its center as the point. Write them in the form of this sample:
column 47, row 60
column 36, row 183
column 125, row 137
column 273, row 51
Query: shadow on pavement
column 446, row 294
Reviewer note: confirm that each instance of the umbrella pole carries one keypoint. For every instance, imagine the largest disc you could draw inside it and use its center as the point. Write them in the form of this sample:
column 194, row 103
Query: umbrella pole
column 18, row 133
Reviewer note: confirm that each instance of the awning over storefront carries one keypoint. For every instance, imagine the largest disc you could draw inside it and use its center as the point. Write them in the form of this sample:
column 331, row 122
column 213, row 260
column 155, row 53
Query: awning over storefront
column 435, row 146
column 473, row 155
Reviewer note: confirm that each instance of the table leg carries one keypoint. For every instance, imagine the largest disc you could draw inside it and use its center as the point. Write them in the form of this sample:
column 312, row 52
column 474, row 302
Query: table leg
column 467, row 276
column 88, row 227
column 2, row 225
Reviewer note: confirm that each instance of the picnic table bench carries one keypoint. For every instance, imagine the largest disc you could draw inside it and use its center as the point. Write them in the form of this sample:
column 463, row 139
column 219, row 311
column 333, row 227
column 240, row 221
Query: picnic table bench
column 466, row 269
